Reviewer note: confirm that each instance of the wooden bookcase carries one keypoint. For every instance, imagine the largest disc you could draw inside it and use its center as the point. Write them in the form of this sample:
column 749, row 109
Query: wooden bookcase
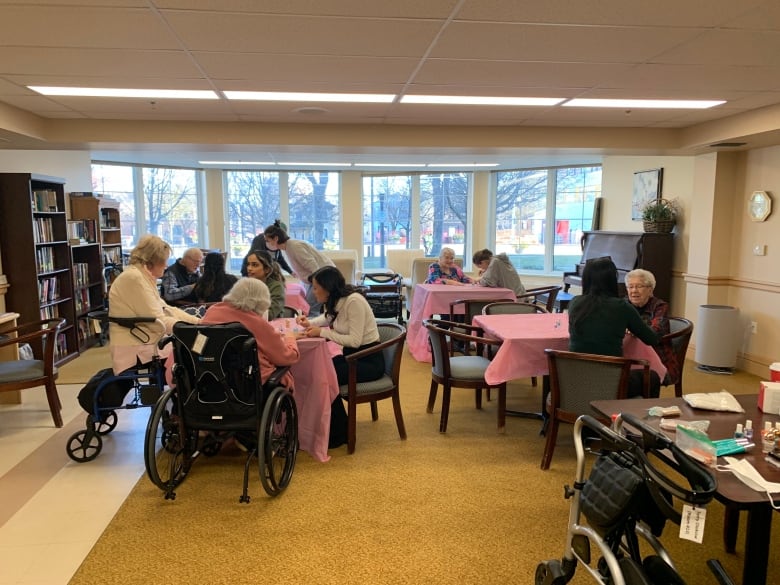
column 36, row 254
column 88, row 291
column 105, row 213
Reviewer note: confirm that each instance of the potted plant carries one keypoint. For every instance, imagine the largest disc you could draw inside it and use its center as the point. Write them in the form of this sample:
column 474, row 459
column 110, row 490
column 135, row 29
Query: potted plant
column 660, row 215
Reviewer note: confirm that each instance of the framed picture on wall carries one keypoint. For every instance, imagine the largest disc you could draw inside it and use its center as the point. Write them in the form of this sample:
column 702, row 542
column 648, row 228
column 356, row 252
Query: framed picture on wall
column 647, row 187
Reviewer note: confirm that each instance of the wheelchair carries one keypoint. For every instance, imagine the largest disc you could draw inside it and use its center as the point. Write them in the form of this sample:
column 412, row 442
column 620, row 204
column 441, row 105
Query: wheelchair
column 106, row 392
column 627, row 497
column 219, row 396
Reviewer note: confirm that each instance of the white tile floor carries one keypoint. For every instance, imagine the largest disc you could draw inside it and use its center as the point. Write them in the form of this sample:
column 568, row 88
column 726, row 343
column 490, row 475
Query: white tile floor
column 52, row 509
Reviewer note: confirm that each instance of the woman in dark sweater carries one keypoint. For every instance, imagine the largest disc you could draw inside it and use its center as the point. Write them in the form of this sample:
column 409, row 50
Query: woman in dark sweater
column 214, row 283
column 599, row 318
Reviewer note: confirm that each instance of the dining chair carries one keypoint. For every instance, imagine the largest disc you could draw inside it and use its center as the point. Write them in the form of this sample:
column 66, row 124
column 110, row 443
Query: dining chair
column 504, row 307
column 289, row 312
column 677, row 341
column 543, row 295
column 471, row 307
column 391, row 342
column 466, row 371
column 577, row 379
column 20, row 374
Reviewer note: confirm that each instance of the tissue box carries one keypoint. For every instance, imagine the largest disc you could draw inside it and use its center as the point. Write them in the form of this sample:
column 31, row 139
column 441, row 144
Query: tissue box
column 769, row 397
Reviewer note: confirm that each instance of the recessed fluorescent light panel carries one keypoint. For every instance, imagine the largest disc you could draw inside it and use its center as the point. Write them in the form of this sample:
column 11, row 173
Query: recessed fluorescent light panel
column 661, row 104
column 463, row 165
column 467, row 100
column 187, row 94
column 303, row 165
column 284, row 96
column 391, row 165
column 236, row 162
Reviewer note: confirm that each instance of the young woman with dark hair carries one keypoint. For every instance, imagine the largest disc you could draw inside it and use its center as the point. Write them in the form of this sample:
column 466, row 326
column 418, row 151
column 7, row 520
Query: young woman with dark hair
column 304, row 258
column 599, row 318
column 258, row 264
column 214, row 283
column 348, row 321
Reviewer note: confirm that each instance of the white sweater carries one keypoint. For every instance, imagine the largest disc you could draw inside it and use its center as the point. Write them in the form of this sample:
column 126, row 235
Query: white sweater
column 354, row 325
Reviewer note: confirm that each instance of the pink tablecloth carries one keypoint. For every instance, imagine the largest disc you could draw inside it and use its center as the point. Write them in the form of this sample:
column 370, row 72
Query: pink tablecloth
column 315, row 388
column 435, row 299
column 525, row 337
column 295, row 297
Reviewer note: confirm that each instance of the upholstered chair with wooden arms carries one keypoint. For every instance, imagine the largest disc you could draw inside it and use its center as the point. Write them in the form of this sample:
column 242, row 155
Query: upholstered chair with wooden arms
column 678, row 338
column 391, row 343
column 21, row 374
column 577, row 379
column 466, row 371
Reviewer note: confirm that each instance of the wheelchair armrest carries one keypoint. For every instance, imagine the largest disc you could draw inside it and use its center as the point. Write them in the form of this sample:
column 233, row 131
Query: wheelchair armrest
column 131, row 322
column 275, row 379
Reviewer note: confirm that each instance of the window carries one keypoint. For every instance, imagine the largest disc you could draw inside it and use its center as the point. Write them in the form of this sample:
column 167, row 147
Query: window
column 253, row 202
column 541, row 214
column 315, row 208
column 444, row 212
column 161, row 201
column 387, row 217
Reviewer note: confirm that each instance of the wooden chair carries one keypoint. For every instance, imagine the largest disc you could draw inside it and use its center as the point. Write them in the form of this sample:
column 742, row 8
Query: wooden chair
column 466, row 371
column 391, row 337
column 289, row 312
column 543, row 295
column 21, row 374
column 504, row 307
column 678, row 338
column 577, row 379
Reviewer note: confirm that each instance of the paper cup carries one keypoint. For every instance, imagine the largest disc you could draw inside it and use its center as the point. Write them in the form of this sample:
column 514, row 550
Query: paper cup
column 774, row 372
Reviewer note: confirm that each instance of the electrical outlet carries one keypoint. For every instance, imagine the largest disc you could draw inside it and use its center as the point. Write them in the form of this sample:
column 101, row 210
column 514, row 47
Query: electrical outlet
column 753, row 327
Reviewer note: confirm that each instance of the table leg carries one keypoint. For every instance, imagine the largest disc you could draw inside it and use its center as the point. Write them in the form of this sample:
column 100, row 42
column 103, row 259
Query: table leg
column 759, row 528
column 730, row 529
column 541, row 415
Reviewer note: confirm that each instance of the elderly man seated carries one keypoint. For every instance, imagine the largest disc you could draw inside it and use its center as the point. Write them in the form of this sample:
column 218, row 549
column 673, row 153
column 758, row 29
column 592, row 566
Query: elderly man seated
column 179, row 279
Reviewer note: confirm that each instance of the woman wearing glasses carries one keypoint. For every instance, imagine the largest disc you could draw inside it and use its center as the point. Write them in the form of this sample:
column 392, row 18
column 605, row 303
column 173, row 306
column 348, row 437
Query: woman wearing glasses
column 655, row 313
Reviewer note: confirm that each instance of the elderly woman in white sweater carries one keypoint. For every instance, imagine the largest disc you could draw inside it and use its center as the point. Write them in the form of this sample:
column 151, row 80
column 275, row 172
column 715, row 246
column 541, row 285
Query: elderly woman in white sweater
column 135, row 294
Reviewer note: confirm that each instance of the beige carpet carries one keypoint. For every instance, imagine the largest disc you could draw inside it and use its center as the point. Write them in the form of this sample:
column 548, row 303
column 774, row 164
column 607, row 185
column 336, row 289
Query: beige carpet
column 471, row 506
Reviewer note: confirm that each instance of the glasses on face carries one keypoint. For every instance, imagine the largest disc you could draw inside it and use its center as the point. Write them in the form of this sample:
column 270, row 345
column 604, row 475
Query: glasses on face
column 637, row 286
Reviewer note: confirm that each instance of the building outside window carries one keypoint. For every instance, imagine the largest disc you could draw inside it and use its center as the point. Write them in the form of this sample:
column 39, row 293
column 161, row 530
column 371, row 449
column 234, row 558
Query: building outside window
column 542, row 213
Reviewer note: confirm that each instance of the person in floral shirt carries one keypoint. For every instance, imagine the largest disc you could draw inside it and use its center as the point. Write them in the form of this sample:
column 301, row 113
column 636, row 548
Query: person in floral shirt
column 445, row 271
column 655, row 313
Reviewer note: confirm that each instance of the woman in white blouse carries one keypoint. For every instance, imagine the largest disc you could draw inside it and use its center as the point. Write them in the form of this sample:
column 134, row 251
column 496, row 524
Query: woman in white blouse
column 348, row 321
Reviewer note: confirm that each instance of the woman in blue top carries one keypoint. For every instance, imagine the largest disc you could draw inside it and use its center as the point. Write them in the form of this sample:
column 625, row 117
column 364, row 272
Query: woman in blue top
column 445, row 271
column 599, row 318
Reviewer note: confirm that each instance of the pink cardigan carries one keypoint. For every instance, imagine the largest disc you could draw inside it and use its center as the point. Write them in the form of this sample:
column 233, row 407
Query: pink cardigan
column 273, row 349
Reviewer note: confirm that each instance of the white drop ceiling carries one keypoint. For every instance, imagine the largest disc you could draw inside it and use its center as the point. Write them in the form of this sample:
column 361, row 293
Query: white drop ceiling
column 665, row 49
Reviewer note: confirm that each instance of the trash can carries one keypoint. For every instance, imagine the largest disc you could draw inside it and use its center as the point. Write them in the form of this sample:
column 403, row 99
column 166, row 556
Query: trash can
column 718, row 338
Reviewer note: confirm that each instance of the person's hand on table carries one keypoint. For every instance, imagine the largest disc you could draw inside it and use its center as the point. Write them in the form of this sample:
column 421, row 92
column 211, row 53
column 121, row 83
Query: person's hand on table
column 302, row 320
column 312, row 331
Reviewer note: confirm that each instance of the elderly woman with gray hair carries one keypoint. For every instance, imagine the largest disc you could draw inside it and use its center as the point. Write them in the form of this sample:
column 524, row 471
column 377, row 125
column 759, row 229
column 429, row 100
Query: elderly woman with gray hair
column 247, row 303
column 445, row 271
column 655, row 313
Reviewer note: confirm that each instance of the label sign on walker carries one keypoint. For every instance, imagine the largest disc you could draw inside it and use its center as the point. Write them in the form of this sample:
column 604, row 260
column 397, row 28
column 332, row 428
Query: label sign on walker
column 692, row 523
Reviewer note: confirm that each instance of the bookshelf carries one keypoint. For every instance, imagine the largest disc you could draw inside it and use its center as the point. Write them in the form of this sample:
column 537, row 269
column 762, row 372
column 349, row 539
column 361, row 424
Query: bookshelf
column 36, row 254
column 88, row 291
column 103, row 213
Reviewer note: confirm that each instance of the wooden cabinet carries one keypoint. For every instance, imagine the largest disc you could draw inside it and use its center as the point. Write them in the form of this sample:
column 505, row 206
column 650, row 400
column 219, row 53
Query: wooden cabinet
column 105, row 213
column 36, row 254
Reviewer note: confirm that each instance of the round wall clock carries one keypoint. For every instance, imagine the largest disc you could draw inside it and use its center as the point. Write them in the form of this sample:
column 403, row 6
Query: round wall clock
column 759, row 205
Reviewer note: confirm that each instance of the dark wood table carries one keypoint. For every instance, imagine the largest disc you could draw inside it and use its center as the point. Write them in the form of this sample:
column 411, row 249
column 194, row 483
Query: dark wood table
column 734, row 494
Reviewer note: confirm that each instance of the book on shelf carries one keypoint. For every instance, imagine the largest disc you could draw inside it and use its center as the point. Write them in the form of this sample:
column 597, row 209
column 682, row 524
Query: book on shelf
column 44, row 200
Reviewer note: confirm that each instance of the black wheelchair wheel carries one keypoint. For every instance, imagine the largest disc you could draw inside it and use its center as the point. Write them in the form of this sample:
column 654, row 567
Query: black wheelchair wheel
column 84, row 446
column 278, row 441
column 105, row 426
column 166, row 456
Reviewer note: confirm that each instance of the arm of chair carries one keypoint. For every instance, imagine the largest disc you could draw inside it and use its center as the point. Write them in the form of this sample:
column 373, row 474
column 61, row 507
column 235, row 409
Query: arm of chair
column 31, row 331
column 369, row 350
column 275, row 379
